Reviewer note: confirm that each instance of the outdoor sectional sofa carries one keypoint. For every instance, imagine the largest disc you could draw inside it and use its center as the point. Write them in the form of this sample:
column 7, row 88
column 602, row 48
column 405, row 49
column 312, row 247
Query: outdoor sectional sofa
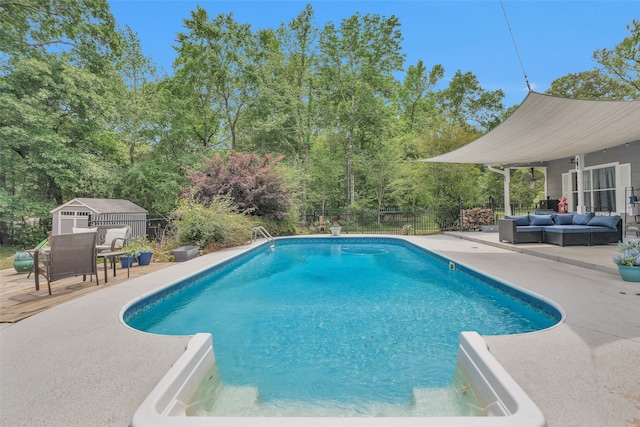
column 561, row 229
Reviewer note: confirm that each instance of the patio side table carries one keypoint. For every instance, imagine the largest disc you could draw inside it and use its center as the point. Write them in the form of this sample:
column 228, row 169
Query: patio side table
column 111, row 255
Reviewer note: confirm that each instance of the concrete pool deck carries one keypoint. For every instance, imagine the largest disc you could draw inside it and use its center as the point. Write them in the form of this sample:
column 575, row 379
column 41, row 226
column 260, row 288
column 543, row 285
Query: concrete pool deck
column 76, row 364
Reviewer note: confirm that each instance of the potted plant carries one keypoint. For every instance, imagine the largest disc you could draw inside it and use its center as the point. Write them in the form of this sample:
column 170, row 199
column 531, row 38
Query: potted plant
column 127, row 260
column 141, row 250
column 145, row 256
column 628, row 260
column 335, row 229
column 22, row 262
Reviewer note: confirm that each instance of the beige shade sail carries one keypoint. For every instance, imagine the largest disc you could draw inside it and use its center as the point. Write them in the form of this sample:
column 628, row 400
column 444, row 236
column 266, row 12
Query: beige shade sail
column 547, row 128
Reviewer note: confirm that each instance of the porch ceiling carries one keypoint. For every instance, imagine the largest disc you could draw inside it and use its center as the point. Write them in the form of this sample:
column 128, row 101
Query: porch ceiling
column 547, row 128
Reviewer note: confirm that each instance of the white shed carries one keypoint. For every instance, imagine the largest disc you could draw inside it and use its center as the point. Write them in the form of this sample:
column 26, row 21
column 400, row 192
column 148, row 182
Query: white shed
column 85, row 212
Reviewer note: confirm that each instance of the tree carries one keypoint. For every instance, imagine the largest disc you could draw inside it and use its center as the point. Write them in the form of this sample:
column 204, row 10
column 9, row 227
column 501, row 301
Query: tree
column 55, row 102
column 137, row 96
column 253, row 183
column 467, row 103
column 380, row 170
column 437, row 184
column 623, row 62
column 357, row 62
column 415, row 97
column 84, row 28
column 289, row 96
column 53, row 140
column 218, row 59
column 592, row 84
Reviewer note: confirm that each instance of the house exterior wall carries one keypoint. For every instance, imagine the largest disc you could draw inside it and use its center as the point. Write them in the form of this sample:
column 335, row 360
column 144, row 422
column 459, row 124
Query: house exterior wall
column 619, row 155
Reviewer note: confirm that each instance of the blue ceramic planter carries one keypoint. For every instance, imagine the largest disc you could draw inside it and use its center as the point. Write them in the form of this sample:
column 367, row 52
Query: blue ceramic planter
column 127, row 261
column 629, row 274
column 145, row 257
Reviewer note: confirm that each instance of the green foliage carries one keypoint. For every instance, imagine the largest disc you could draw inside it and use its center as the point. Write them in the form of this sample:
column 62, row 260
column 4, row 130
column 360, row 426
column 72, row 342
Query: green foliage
column 623, row 61
column 6, row 256
column 153, row 184
column 357, row 62
column 523, row 192
column 468, row 104
column 278, row 227
column 416, row 97
column 629, row 254
column 217, row 59
column 592, row 84
column 446, row 213
column 217, row 225
column 85, row 29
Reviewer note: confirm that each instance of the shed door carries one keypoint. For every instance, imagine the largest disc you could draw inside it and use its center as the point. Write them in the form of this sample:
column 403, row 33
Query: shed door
column 70, row 219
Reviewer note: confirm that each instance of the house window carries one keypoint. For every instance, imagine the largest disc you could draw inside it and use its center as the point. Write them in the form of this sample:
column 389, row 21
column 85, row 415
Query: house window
column 599, row 189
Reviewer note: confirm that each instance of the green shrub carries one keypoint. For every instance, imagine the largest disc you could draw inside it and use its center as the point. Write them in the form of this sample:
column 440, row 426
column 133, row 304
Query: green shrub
column 210, row 227
column 278, row 227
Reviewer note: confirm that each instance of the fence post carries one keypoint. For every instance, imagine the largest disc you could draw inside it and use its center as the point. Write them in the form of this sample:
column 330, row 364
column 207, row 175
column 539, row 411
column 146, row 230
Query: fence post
column 492, row 205
column 415, row 220
column 460, row 214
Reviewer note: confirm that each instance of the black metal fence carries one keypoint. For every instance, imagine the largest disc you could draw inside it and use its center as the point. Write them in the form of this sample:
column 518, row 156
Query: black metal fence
column 410, row 221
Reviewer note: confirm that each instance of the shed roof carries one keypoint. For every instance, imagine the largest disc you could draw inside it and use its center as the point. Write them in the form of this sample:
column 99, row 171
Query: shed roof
column 547, row 128
column 103, row 206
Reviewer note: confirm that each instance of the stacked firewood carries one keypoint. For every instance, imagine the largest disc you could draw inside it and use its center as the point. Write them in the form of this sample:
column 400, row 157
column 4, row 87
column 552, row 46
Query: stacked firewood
column 476, row 217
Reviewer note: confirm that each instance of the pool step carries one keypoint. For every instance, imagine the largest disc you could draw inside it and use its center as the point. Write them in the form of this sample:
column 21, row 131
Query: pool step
column 235, row 400
column 444, row 402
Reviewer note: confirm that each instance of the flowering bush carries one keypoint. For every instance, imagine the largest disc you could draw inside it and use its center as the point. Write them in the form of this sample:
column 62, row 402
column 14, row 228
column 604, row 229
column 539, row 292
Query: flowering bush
column 629, row 254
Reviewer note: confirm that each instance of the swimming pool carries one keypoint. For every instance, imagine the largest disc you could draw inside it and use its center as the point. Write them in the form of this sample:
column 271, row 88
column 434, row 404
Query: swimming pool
column 320, row 292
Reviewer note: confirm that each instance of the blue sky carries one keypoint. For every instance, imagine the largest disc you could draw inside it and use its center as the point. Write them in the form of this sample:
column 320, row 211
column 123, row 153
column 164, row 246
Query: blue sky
column 554, row 38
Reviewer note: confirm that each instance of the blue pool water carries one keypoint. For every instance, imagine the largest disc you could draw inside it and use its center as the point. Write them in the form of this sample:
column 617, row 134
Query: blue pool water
column 339, row 319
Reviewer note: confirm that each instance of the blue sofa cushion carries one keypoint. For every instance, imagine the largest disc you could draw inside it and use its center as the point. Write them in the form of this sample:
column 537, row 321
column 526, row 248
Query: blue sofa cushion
column 567, row 229
column 604, row 221
column 539, row 220
column 600, row 229
column 579, row 219
column 528, row 228
column 563, row 219
column 520, row 219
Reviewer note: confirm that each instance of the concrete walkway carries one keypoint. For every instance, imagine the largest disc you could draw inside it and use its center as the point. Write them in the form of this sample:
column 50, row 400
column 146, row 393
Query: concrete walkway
column 76, row 364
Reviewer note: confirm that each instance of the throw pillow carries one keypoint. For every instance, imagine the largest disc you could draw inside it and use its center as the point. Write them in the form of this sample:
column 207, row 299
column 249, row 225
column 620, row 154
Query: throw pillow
column 540, row 220
column 605, row 221
column 520, row 219
column 582, row 219
column 84, row 230
column 563, row 219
